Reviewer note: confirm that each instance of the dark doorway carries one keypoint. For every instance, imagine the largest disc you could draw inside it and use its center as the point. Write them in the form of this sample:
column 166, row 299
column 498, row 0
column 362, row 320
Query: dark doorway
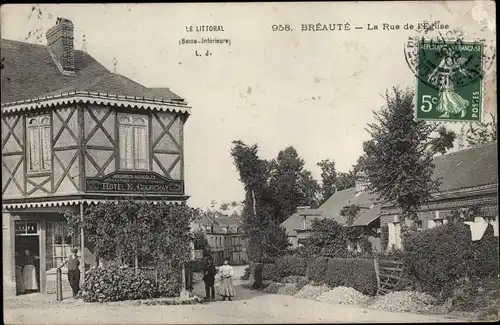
column 24, row 264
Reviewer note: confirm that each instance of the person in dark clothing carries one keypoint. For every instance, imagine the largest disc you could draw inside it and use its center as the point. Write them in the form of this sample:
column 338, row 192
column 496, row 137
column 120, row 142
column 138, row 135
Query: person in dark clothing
column 73, row 272
column 209, row 272
column 258, row 276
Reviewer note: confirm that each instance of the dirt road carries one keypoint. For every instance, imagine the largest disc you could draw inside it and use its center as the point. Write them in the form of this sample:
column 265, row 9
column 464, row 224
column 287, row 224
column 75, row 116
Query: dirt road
column 248, row 307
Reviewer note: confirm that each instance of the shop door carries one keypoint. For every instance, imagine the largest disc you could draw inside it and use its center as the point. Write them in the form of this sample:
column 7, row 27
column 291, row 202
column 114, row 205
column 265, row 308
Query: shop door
column 27, row 251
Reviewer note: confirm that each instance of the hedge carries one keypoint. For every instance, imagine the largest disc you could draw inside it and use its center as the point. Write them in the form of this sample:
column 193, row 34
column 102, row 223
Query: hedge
column 285, row 266
column 439, row 257
column 270, row 272
column 115, row 283
column 355, row 273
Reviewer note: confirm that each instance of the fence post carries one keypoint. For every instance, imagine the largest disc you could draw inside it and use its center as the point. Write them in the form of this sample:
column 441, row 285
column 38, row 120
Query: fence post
column 377, row 273
column 59, row 292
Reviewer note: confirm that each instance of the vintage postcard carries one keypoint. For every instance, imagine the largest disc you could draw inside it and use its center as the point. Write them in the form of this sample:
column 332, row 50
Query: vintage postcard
column 209, row 163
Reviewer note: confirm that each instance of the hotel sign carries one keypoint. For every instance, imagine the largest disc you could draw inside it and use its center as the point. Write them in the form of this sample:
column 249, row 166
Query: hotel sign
column 135, row 183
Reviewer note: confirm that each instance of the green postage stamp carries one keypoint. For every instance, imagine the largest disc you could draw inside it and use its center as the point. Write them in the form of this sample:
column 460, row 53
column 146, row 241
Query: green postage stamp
column 449, row 81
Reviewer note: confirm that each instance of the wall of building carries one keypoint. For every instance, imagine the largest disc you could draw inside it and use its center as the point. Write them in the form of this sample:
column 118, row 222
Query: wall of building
column 101, row 134
column 96, row 127
column 435, row 214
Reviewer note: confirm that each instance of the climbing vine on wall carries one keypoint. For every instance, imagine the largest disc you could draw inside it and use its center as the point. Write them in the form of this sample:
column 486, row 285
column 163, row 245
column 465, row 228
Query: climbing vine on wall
column 121, row 231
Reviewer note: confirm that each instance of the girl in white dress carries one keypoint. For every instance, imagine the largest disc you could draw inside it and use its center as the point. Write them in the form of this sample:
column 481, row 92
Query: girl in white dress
column 226, row 288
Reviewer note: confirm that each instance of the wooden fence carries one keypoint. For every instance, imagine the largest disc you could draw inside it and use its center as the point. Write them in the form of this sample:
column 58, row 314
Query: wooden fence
column 389, row 274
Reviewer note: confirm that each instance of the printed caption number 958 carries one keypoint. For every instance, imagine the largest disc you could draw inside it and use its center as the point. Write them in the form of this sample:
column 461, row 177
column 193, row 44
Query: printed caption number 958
column 427, row 102
column 281, row 28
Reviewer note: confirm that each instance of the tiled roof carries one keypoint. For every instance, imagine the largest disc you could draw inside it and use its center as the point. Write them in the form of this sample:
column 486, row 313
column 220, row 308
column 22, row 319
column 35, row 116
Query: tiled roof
column 219, row 224
column 468, row 168
column 366, row 216
column 30, row 72
column 332, row 207
column 228, row 221
column 310, row 212
column 295, row 222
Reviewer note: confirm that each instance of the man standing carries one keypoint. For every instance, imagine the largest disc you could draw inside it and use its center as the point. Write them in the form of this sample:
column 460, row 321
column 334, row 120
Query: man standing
column 73, row 271
column 209, row 272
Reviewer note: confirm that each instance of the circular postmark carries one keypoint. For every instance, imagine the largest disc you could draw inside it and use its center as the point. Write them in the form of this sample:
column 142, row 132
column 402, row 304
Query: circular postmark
column 448, row 58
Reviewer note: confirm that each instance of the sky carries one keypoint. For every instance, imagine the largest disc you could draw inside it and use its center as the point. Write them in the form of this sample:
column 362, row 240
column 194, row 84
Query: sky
column 313, row 90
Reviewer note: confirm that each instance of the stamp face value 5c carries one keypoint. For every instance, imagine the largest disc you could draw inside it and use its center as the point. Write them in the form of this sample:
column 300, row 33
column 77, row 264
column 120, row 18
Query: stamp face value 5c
column 449, row 81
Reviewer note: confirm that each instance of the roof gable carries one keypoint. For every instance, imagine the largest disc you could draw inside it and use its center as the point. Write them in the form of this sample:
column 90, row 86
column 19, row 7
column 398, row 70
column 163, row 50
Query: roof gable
column 30, row 72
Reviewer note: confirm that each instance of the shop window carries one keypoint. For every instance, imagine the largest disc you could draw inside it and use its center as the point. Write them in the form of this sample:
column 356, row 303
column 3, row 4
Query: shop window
column 59, row 243
column 38, row 149
column 134, row 142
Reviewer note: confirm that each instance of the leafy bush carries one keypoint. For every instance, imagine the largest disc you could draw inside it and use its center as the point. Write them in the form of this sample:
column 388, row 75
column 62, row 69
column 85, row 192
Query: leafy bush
column 317, row 269
column 270, row 272
column 291, row 265
column 437, row 258
column 169, row 286
column 127, row 229
column 116, row 284
column 284, row 267
column 327, row 238
column 358, row 274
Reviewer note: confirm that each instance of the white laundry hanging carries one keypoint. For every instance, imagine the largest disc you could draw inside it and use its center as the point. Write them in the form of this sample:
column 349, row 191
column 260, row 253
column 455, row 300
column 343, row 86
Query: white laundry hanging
column 477, row 228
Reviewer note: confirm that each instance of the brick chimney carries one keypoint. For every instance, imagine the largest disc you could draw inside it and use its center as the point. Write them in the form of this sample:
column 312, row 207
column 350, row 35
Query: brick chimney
column 60, row 43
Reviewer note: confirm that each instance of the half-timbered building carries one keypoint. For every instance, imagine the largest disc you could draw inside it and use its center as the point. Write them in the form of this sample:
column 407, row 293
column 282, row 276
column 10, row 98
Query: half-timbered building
column 76, row 134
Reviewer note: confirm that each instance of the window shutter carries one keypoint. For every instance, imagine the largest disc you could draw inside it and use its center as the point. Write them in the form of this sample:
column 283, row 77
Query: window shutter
column 141, row 150
column 126, row 146
column 34, row 153
column 45, row 145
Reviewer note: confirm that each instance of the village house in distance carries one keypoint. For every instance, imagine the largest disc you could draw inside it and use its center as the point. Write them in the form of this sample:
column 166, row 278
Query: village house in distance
column 76, row 134
column 468, row 178
column 225, row 236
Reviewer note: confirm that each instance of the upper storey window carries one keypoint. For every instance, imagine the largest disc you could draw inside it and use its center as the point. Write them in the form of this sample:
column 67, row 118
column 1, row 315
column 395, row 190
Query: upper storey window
column 38, row 144
column 134, row 142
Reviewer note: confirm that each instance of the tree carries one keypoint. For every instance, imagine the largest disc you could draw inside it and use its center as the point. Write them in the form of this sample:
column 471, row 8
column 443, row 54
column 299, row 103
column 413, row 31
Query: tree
column 328, row 178
column 224, row 206
column 345, row 180
column 483, row 133
column 327, row 238
column 122, row 231
column 201, row 242
column 349, row 213
column 443, row 141
column 291, row 185
column 399, row 161
column 266, row 238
